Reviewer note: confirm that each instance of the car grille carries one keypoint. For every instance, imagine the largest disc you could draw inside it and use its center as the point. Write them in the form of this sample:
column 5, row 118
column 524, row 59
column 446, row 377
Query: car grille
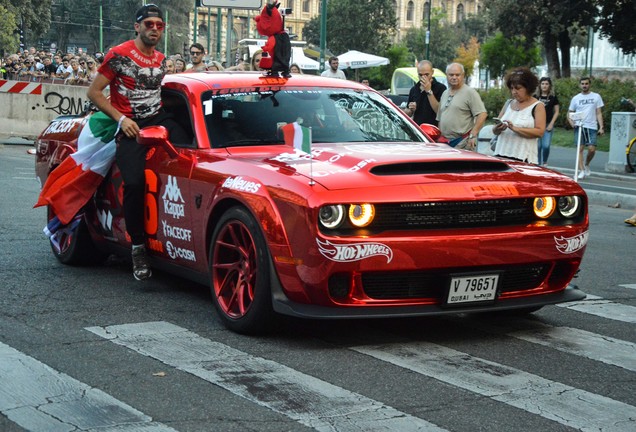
column 455, row 214
column 412, row 285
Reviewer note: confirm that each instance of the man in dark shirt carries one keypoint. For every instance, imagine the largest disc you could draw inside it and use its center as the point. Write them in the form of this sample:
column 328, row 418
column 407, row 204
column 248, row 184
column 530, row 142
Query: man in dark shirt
column 425, row 95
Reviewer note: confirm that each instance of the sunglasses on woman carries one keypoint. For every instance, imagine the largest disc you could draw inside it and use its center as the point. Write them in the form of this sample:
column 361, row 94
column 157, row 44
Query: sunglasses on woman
column 152, row 24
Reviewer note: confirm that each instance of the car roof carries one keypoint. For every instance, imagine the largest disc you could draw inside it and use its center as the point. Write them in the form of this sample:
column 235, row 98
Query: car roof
column 234, row 79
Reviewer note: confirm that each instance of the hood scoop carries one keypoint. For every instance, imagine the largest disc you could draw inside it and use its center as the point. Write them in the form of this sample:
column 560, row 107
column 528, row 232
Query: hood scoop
column 440, row 167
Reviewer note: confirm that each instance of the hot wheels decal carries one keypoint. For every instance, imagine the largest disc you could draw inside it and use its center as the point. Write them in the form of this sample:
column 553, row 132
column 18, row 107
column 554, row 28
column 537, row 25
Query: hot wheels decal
column 353, row 251
column 568, row 245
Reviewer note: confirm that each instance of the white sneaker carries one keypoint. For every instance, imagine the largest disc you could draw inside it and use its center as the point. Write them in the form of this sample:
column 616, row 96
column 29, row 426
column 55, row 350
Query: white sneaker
column 581, row 175
column 588, row 172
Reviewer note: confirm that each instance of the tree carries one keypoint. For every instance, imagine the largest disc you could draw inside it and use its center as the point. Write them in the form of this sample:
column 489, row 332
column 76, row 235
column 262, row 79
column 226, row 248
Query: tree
column 467, row 55
column 616, row 21
column 443, row 41
column 34, row 15
column 355, row 25
column 9, row 39
column 380, row 77
column 551, row 21
column 500, row 53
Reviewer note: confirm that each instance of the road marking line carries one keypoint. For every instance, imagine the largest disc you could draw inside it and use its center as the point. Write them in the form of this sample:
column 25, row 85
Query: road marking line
column 39, row 398
column 552, row 400
column 586, row 344
column 598, row 306
column 306, row 399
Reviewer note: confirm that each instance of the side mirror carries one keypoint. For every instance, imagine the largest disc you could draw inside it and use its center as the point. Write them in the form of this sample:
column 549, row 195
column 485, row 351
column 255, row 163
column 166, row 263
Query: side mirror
column 432, row 131
column 157, row 136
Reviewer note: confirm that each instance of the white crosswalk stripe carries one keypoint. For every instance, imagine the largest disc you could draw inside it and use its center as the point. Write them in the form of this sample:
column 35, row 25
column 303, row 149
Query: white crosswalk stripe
column 598, row 306
column 582, row 343
column 325, row 407
column 38, row 398
column 552, row 400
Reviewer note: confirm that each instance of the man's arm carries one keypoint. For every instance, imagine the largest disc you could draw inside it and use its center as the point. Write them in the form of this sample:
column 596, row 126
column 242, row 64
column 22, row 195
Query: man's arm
column 96, row 94
column 480, row 119
column 599, row 119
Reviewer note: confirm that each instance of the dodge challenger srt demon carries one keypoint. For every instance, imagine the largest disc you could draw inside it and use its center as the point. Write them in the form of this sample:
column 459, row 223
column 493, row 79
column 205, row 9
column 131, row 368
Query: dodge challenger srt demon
column 376, row 219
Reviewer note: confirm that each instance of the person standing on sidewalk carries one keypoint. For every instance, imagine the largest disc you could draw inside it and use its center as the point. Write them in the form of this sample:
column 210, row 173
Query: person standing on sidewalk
column 461, row 113
column 551, row 102
column 134, row 70
column 590, row 104
column 425, row 95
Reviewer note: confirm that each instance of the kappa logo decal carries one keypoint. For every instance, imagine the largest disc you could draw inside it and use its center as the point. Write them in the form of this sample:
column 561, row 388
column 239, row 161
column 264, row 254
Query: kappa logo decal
column 353, row 251
column 173, row 202
column 568, row 245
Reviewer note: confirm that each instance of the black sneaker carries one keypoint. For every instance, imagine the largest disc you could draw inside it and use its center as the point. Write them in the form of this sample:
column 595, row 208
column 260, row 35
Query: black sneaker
column 141, row 264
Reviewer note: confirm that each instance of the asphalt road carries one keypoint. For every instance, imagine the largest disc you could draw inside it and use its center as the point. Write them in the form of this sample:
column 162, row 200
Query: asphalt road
column 92, row 349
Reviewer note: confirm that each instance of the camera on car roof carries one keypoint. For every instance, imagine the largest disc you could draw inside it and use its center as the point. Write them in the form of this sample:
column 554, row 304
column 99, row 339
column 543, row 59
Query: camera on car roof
column 286, row 11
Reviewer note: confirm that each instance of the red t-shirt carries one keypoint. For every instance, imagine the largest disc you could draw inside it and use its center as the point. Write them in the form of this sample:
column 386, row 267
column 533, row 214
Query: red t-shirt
column 135, row 80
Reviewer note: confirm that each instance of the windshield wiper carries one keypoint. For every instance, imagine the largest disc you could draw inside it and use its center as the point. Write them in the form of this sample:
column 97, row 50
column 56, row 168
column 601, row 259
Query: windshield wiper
column 252, row 141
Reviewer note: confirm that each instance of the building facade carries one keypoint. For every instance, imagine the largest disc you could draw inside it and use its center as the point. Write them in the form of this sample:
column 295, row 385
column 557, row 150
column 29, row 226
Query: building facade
column 410, row 14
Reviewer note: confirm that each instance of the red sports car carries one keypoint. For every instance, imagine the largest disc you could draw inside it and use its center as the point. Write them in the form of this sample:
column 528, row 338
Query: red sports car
column 376, row 220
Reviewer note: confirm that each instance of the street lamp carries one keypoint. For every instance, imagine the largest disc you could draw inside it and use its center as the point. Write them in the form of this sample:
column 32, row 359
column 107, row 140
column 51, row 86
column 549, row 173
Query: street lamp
column 323, row 34
column 428, row 31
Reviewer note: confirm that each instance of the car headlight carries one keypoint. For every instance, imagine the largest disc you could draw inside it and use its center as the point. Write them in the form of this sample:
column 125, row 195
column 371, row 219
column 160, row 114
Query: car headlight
column 544, row 207
column 331, row 216
column 361, row 215
column 569, row 206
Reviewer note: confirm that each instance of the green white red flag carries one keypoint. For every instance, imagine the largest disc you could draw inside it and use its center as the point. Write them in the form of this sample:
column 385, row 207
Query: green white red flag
column 75, row 180
column 297, row 136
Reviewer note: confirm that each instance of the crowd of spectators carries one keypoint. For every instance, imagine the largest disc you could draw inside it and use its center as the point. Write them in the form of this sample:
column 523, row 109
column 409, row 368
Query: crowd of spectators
column 81, row 68
column 44, row 66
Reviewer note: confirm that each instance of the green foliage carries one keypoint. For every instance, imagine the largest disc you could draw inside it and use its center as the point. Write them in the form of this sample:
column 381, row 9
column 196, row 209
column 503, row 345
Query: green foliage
column 380, row 77
column 9, row 41
column 444, row 40
column 365, row 26
column 499, row 53
column 616, row 21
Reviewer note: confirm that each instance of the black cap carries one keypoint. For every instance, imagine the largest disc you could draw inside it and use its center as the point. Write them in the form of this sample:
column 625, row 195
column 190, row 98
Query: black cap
column 148, row 11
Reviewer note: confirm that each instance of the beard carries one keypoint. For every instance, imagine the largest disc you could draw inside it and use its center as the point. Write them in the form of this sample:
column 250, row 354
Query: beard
column 148, row 41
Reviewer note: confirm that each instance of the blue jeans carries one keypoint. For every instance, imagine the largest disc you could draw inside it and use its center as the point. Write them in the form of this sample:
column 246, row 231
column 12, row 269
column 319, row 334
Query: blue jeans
column 544, row 147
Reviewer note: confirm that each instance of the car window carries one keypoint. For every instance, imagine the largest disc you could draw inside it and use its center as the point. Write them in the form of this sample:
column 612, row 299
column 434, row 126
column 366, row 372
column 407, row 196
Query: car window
column 334, row 115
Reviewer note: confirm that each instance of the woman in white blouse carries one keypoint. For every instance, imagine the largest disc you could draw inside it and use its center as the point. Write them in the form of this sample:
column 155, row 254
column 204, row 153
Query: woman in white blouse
column 522, row 119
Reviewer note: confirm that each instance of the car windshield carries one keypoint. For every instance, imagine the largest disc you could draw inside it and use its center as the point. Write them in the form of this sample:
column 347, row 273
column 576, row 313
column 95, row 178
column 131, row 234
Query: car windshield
column 334, row 115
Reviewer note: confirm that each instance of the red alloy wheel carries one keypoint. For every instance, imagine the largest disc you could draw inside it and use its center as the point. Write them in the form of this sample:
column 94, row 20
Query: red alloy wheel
column 234, row 269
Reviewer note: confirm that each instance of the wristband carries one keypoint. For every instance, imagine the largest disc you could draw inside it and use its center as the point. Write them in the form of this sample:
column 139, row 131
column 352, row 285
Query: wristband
column 119, row 122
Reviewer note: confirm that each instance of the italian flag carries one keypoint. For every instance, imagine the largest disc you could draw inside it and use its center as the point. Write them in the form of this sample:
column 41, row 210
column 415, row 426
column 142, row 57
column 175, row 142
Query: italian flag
column 297, row 136
column 69, row 186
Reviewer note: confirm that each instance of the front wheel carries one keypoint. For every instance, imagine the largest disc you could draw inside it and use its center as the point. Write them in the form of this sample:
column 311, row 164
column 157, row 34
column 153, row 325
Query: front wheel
column 631, row 155
column 239, row 270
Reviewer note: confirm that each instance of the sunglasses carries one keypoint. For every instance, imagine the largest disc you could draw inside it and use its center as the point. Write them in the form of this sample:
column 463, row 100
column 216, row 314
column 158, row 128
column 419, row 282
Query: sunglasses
column 152, row 24
column 196, row 52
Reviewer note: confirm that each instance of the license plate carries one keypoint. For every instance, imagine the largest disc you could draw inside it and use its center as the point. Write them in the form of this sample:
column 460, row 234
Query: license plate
column 474, row 288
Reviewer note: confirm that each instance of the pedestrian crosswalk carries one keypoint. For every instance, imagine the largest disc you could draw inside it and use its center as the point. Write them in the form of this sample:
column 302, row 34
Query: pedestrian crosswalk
column 38, row 398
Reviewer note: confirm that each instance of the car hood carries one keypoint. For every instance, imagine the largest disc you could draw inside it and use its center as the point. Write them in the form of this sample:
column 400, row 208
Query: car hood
column 356, row 165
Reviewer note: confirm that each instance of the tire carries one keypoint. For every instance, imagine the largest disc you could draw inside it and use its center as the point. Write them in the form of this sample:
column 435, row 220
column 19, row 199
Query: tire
column 631, row 155
column 239, row 273
column 76, row 247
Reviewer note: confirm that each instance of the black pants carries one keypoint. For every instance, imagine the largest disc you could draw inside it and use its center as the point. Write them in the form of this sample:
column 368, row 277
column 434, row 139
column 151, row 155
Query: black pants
column 131, row 160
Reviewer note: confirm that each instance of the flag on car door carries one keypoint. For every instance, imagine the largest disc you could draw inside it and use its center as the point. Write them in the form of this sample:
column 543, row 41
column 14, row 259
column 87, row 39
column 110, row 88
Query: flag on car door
column 75, row 180
column 297, row 136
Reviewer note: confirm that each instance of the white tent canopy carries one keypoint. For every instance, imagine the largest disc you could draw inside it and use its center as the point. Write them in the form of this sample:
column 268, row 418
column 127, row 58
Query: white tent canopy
column 357, row 60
